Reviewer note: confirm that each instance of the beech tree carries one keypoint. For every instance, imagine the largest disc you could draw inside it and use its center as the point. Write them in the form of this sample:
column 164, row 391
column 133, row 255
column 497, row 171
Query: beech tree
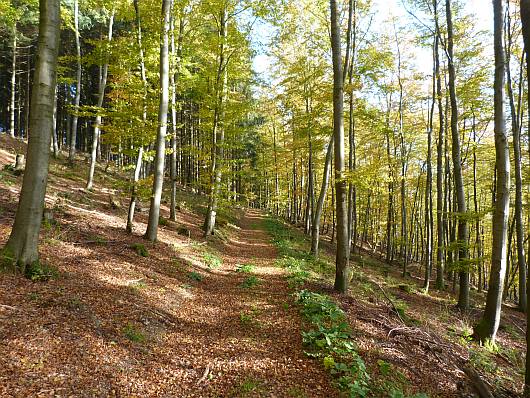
column 158, row 181
column 488, row 326
column 22, row 246
column 342, row 256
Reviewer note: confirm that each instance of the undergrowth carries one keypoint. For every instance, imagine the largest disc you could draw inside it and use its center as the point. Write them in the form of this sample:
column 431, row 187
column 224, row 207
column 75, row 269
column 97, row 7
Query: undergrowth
column 328, row 335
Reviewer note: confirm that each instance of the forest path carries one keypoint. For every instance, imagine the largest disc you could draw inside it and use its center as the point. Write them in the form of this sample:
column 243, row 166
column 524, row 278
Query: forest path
column 249, row 334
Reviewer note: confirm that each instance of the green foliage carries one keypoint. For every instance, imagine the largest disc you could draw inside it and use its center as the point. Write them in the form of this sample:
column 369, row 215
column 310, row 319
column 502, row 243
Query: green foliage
column 245, row 268
column 480, row 358
column 212, row 260
column 140, row 249
column 7, row 260
column 250, row 282
column 329, row 338
column 195, row 276
column 164, row 222
column 40, row 272
column 248, row 318
column 248, row 386
column 132, row 333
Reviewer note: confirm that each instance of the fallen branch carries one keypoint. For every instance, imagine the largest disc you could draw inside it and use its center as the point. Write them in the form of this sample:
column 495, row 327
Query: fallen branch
column 205, row 375
column 7, row 307
column 390, row 301
column 480, row 385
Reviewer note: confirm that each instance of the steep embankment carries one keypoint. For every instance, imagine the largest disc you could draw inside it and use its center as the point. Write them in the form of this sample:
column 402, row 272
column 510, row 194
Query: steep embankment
column 410, row 342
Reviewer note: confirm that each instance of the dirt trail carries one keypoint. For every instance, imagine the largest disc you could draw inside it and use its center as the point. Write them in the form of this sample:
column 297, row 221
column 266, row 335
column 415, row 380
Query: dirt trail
column 251, row 336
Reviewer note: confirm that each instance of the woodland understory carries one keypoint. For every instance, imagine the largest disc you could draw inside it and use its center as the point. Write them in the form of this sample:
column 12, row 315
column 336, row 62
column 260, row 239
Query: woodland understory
column 296, row 198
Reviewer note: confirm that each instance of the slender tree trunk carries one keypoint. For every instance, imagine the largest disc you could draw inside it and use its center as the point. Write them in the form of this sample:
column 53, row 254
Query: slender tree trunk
column 27, row 93
column 440, row 255
column 475, row 201
column 55, row 144
column 134, row 193
column 218, row 133
column 22, row 246
column 315, row 238
column 463, row 296
column 139, row 160
column 77, row 99
column 158, row 180
column 488, row 326
column 525, row 20
column 390, row 210
column 516, row 132
column 12, row 103
column 173, row 81
column 101, row 98
column 428, row 184
column 276, row 173
column 342, row 255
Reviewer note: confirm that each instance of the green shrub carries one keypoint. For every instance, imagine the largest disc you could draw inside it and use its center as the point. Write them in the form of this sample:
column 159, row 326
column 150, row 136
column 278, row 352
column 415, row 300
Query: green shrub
column 211, row 260
column 195, row 276
column 40, row 272
column 163, row 222
column 329, row 338
column 133, row 334
column 140, row 249
column 245, row 268
column 250, row 282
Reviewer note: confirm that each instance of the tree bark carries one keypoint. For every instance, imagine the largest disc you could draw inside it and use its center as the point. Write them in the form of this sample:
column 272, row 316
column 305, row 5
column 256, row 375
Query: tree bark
column 315, row 238
column 173, row 81
column 139, row 160
column 77, row 98
column 158, row 180
column 488, row 326
column 22, row 245
column 516, row 132
column 525, row 21
column 218, row 133
column 101, row 98
column 462, row 235
column 12, row 102
column 342, row 255
column 440, row 255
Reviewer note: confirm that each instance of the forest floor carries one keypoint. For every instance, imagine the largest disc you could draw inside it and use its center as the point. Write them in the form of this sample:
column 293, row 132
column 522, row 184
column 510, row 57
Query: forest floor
column 123, row 317
column 186, row 317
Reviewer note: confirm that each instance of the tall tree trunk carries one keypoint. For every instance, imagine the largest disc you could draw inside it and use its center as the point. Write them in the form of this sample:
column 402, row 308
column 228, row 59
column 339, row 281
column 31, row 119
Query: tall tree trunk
column 22, row 246
column 12, row 102
column 55, row 143
column 27, row 93
column 315, row 238
column 525, row 20
column 177, row 53
column 158, row 180
column 478, row 241
column 139, row 160
column 488, row 326
column 342, row 255
column 390, row 210
column 440, row 255
column 516, row 132
column 463, row 296
column 218, row 133
column 428, row 184
column 77, row 99
column 101, row 98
